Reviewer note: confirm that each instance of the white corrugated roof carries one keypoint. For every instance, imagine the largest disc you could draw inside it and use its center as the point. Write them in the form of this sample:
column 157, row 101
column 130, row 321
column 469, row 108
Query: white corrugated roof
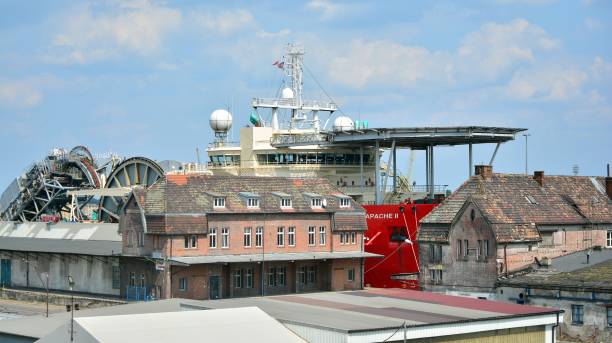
column 246, row 324
column 271, row 257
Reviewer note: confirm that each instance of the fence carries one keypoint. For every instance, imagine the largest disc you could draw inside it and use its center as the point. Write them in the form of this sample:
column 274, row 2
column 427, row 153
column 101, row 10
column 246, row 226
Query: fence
column 136, row 293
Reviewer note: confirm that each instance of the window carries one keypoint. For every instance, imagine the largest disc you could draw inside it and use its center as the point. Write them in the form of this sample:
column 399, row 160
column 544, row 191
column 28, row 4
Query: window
column 322, row 235
column 282, row 276
column 280, row 236
column 478, row 249
column 291, row 236
column 531, row 199
column 577, row 314
column 459, row 250
column 258, row 236
column 142, row 280
column 141, row 237
column 286, row 203
column 316, row 202
column 237, row 276
column 130, row 238
column 225, row 237
column 312, row 274
column 432, row 275
column 440, row 275
column 609, row 312
column 212, row 238
column 432, row 252
column 350, row 274
column 345, row 202
column 247, row 237
column 249, row 278
column 353, row 241
column 253, row 202
column 302, row 275
column 342, row 238
column 486, row 247
column 609, row 240
column 311, row 235
column 435, row 275
column 183, row 284
column 219, row 202
column 132, row 279
column 116, row 277
column 466, row 247
column 272, row 276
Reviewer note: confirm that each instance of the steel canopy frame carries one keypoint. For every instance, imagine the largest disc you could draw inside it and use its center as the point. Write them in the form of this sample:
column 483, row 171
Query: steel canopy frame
column 415, row 138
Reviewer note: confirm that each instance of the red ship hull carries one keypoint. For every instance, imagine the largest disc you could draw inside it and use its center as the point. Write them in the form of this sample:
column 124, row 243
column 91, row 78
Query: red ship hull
column 391, row 228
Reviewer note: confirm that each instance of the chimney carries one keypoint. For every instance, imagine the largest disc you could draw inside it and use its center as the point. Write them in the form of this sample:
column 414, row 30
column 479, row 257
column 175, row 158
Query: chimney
column 539, row 177
column 608, row 182
column 485, row 171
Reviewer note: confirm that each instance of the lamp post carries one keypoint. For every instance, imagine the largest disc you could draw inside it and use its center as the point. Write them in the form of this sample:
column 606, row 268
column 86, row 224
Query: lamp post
column 71, row 286
column 526, row 135
column 46, row 276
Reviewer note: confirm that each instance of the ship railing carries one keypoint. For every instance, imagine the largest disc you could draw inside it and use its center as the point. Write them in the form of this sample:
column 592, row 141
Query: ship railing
column 313, row 138
column 438, row 189
column 223, row 145
column 308, row 104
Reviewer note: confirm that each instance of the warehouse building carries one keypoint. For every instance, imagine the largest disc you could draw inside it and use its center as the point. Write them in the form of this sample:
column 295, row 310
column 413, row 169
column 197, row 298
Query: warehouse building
column 390, row 315
column 210, row 237
column 34, row 254
column 583, row 290
column 497, row 224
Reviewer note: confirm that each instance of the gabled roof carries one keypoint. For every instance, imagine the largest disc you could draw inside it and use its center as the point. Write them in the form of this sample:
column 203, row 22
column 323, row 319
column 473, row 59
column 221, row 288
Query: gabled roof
column 504, row 199
column 191, row 194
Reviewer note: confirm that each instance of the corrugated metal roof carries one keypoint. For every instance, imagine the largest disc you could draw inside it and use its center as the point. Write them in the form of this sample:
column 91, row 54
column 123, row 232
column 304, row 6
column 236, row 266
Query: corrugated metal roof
column 100, row 239
column 206, row 259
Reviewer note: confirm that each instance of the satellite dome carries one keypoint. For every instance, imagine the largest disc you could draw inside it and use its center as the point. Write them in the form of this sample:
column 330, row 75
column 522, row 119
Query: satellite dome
column 287, row 93
column 343, row 123
column 220, row 121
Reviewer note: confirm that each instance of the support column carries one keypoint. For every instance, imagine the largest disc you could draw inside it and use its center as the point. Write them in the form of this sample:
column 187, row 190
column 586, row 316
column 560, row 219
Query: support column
column 377, row 181
column 471, row 161
column 361, row 178
column 427, row 168
column 431, row 172
column 394, row 168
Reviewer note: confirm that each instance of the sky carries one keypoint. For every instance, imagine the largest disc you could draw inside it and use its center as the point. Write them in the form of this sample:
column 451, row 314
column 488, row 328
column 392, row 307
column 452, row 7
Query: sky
column 140, row 78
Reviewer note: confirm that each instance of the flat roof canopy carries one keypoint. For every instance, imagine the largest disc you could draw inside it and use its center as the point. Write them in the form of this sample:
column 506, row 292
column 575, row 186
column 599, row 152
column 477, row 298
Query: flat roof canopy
column 409, row 137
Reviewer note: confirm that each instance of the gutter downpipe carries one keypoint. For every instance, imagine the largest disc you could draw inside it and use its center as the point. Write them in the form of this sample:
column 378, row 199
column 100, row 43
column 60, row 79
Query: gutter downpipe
column 554, row 329
column 505, row 260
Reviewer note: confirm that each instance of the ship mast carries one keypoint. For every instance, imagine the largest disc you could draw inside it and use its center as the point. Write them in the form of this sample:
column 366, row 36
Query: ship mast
column 292, row 96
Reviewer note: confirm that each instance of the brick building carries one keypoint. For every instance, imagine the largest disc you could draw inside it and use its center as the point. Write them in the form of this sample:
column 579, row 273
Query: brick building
column 207, row 237
column 495, row 224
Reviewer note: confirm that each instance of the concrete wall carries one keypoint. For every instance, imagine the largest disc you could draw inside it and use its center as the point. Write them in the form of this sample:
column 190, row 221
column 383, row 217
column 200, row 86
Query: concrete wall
column 594, row 328
column 91, row 274
column 463, row 272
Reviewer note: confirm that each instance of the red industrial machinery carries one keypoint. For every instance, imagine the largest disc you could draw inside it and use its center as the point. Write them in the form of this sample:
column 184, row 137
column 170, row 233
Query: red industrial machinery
column 392, row 233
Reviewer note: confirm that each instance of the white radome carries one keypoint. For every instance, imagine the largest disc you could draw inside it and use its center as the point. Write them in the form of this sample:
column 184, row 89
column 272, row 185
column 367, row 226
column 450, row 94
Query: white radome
column 287, row 93
column 343, row 123
column 220, row 120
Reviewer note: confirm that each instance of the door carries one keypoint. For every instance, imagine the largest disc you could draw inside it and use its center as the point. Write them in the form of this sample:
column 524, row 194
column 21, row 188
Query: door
column 5, row 272
column 213, row 286
column 338, row 279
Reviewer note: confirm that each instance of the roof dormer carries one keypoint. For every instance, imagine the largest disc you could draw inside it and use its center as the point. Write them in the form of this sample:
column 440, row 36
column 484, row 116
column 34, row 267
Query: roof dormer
column 251, row 199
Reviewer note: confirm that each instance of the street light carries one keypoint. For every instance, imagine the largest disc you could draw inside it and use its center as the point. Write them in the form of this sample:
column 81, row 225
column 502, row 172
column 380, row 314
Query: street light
column 71, row 286
column 526, row 135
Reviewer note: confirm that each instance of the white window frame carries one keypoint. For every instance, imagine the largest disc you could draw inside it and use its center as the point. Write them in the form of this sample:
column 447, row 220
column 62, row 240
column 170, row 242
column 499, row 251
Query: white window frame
column 280, row 236
column 311, row 235
column 259, row 236
column 212, row 238
column 249, row 278
column 237, row 278
column 350, row 274
column 345, row 202
column 247, row 237
column 321, row 235
column 219, row 202
column 609, row 239
column 252, row 202
column 353, row 237
column 316, row 203
column 291, row 236
column 183, row 284
column 225, row 239
column 286, row 202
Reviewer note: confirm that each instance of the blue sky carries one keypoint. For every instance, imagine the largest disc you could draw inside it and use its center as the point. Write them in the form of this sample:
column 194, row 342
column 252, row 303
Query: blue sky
column 142, row 77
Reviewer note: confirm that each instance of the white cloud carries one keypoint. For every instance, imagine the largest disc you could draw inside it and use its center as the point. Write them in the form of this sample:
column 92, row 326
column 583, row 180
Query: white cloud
column 382, row 62
column 495, row 48
column 327, row 8
column 489, row 53
column 601, row 69
column 88, row 36
column 21, row 94
column 548, row 83
column 225, row 23
column 593, row 24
